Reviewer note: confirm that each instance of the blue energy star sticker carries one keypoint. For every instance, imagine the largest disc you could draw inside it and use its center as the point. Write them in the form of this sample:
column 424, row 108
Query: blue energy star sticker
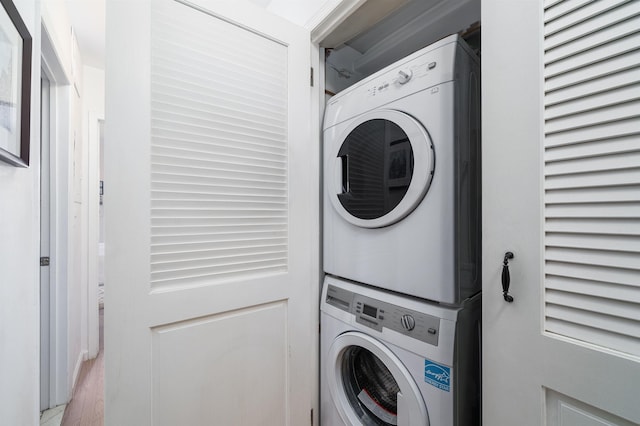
column 437, row 375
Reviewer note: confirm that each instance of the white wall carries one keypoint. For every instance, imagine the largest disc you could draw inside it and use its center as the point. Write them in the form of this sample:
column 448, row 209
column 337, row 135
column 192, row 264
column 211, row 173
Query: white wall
column 93, row 99
column 20, row 242
column 19, row 262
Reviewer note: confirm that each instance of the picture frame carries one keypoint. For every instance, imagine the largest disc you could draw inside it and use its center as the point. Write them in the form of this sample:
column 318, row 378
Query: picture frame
column 15, row 86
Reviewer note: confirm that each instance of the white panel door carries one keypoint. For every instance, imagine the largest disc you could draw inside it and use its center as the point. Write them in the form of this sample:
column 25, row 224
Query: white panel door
column 211, row 212
column 561, row 85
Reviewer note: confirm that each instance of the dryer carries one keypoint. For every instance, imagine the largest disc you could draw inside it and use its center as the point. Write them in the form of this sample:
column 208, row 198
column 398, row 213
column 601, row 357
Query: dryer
column 402, row 176
column 387, row 359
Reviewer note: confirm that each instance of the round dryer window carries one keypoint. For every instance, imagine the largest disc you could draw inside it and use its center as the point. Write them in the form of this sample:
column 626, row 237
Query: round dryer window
column 370, row 385
column 382, row 168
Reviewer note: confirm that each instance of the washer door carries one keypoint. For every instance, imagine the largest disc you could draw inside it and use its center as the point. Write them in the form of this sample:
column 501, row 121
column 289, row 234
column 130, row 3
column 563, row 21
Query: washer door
column 380, row 169
column 369, row 385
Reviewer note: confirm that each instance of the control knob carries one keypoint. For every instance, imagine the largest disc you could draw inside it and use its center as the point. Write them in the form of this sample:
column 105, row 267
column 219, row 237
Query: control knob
column 404, row 76
column 408, row 323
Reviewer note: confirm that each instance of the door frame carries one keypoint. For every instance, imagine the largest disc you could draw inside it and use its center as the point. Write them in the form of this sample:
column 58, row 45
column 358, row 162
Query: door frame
column 60, row 378
column 45, row 217
column 93, row 231
column 326, row 24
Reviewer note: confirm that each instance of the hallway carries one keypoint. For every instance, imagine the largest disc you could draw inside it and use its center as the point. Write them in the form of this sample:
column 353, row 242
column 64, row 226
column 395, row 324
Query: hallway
column 87, row 405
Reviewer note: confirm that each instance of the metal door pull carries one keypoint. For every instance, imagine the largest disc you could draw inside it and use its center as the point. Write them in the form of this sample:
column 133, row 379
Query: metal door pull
column 506, row 278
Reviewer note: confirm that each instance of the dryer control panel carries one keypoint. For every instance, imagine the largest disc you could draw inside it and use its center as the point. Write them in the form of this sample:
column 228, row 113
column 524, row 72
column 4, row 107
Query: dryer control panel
column 377, row 315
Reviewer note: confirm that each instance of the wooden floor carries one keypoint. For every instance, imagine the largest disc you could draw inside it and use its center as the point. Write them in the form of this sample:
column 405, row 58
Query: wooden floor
column 87, row 405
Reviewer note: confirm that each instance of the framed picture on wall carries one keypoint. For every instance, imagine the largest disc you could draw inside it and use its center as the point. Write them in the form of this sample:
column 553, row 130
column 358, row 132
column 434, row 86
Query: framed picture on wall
column 15, row 86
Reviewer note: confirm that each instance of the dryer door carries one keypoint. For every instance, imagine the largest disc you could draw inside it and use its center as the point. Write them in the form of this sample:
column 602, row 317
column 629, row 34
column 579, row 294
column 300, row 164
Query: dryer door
column 369, row 385
column 380, row 168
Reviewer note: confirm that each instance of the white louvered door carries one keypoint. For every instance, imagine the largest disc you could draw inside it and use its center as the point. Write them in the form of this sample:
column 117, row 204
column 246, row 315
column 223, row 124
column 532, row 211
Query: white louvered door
column 211, row 216
column 561, row 164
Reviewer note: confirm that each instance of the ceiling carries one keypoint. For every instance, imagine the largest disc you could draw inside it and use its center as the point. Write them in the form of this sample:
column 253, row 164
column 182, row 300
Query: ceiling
column 87, row 19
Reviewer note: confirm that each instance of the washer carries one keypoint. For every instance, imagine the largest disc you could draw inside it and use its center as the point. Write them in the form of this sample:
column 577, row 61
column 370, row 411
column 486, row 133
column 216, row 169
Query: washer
column 388, row 359
column 402, row 176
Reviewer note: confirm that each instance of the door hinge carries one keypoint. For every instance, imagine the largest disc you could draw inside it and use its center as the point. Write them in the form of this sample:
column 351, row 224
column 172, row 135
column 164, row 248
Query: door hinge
column 311, row 80
column 312, row 417
column 44, row 261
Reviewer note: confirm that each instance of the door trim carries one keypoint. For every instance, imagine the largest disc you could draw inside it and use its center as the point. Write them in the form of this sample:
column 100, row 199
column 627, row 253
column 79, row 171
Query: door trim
column 45, row 218
column 334, row 23
column 93, row 226
column 61, row 378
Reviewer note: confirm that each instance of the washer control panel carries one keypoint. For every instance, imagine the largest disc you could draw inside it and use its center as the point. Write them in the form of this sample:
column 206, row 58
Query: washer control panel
column 377, row 315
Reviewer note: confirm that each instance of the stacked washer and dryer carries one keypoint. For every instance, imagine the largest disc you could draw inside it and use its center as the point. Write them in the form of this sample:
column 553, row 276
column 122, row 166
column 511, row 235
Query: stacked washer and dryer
column 400, row 306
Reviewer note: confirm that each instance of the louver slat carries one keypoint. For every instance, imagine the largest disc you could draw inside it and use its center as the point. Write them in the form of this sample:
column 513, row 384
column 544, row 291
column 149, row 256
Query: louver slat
column 594, row 288
column 607, row 307
column 593, row 102
column 596, row 54
column 592, row 272
column 579, row 35
column 603, row 257
column 555, row 9
column 592, row 116
column 607, row 226
column 593, row 195
column 592, row 172
column 594, row 179
column 593, row 149
column 588, row 74
column 219, row 197
column 593, row 87
column 594, row 242
column 627, row 160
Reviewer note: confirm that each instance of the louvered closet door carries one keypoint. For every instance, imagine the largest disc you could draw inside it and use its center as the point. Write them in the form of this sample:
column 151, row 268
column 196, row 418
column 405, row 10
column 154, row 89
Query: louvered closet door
column 212, row 216
column 561, row 189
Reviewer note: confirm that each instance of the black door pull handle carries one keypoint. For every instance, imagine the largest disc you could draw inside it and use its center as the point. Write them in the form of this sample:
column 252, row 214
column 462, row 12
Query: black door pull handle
column 345, row 174
column 506, row 278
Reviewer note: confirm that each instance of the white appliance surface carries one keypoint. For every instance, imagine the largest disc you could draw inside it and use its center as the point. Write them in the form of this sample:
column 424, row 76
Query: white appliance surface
column 414, row 243
column 416, row 343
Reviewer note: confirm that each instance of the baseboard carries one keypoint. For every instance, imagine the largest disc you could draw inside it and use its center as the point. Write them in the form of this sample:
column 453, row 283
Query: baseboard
column 76, row 370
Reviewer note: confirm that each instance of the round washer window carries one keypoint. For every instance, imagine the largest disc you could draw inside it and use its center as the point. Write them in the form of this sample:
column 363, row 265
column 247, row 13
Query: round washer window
column 365, row 379
column 377, row 168
column 370, row 387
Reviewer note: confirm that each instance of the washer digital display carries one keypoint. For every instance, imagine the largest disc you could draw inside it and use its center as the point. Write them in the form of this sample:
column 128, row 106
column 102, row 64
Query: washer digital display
column 370, row 311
